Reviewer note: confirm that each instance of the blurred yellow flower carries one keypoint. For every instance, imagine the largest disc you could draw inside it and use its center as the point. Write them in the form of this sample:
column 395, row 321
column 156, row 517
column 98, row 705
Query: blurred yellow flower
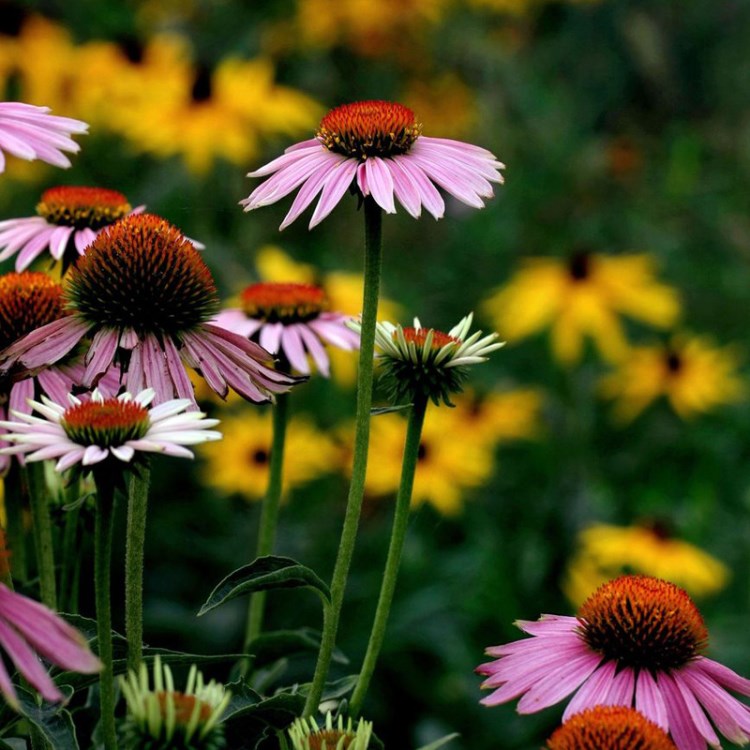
column 241, row 465
column 605, row 552
column 579, row 297
column 446, row 102
column 501, row 416
column 448, row 467
column 691, row 373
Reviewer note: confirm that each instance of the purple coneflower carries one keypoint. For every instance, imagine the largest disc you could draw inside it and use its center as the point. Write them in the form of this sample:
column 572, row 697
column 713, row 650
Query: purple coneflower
column 29, row 630
column 29, row 132
column 292, row 320
column 377, row 147
column 69, row 219
column 636, row 641
column 145, row 295
column 91, row 431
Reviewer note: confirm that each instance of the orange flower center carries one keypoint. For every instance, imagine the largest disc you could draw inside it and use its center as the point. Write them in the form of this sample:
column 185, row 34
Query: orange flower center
column 184, row 705
column 142, row 273
column 371, row 128
column 643, row 622
column 609, row 728
column 82, row 207
column 107, row 423
column 282, row 302
column 28, row 300
column 418, row 337
column 329, row 739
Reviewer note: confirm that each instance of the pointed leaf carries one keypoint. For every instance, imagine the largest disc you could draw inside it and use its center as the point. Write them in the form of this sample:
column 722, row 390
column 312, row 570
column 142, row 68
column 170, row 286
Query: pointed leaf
column 277, row 644
column 439, row 743
column 54, row 722
column 265, row 573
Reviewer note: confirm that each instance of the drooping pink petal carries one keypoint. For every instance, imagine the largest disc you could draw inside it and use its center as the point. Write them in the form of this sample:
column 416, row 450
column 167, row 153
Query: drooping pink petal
column 593, row 692
column 723, row 675
column 681, row 723
column 291, row 344
column 45, row 345
column 100, row 355
column 649, row 700
column 316, row 349
column 336, row 186
column 380, row 183
column 309, row 191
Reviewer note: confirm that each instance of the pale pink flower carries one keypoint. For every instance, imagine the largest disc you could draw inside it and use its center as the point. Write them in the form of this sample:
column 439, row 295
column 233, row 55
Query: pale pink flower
column 90, row 431
column 638, row 642
column 69, row 219
column 145, row 296
column 378, row 148
column 29, row 630
column 29, row 132
column 291, row 320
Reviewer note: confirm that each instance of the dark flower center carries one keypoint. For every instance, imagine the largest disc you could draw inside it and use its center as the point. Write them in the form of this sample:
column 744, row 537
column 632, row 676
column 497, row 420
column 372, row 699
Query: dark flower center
column 643, row 622
column 371, row 128
column 609, row 728
column 259, row 457
column 142, row 274
column 673, row 361
column 107, row 423
column 283, row 302
column 28, row 301
column 580, row 266
column 83, row 207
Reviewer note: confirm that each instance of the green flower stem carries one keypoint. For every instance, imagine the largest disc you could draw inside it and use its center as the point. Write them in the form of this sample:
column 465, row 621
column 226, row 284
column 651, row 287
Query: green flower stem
column 15, row 540
column 331, row 613
column 270, row 513
column 105, row 500
column 42, row 526
column 395, row 548
column 134, row 555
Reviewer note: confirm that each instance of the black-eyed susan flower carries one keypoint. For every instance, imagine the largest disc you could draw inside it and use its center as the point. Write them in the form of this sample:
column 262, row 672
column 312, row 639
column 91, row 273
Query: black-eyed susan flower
column 69, row 219
column 447, row 469
column 583, row 296
column 609, row 728
column 690, row 372
column 425, row 362
column 307, row 734
column 636, row 641
column 30, row 132
column 159, row 716
column 604, row 552
column 153, row 318
column 292, row 320
column 242, row 463
column 378, row 148
column 92, row 431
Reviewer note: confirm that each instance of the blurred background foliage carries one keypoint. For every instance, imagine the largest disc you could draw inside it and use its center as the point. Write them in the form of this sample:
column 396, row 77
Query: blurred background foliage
column 621, row 398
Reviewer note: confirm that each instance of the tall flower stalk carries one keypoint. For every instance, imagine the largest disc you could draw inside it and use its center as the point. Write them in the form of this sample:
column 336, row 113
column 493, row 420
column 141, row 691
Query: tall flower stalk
column 134, row 553
column 395, row 548
column 42, row 526
column 269, row 516
column 332, row 612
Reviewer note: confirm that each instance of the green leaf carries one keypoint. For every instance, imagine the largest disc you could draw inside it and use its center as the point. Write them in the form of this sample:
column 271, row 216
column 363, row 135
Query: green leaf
column 278, row 711
column 265, row 573
column 439, row 743
column 333, row 690
column 277, row 644
column 388, row 409
column 54, row 722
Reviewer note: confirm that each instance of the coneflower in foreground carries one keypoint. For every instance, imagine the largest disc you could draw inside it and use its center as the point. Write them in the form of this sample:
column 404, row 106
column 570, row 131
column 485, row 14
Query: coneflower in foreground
column 378, row 148
column 306, row 734
column 67, row 222
column 292, row 320
column 29, row 630
column 30, row 132
column 636, row 641
column 145, row 296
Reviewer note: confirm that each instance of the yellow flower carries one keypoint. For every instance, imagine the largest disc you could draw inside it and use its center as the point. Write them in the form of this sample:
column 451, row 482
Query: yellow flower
column 583, row 296
column 241, row 466
column 605, row 552
column 448, row 466
column 500, row 416
column 445, row 100
column 343, row 289
column 691, row 373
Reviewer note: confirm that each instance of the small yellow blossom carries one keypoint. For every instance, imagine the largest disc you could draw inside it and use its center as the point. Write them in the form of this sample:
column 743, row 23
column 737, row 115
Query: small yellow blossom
column 446, row 101
column 583, row 296
column 447, row 469
column 690, row 372
column 241, row 466
column 605, row 552
column 501, row 416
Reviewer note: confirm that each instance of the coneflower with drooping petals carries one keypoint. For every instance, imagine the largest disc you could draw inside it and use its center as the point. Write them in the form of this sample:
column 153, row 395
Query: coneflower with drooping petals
column 67, row 222
column 637, row 641
column 376, row 148
column 155, row 317
column 30, row 132
column 293, row 320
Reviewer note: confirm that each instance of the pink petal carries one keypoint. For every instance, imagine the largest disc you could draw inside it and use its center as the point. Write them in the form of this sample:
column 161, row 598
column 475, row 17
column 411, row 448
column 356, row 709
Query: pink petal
column 649, row 700
column 380, row 183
